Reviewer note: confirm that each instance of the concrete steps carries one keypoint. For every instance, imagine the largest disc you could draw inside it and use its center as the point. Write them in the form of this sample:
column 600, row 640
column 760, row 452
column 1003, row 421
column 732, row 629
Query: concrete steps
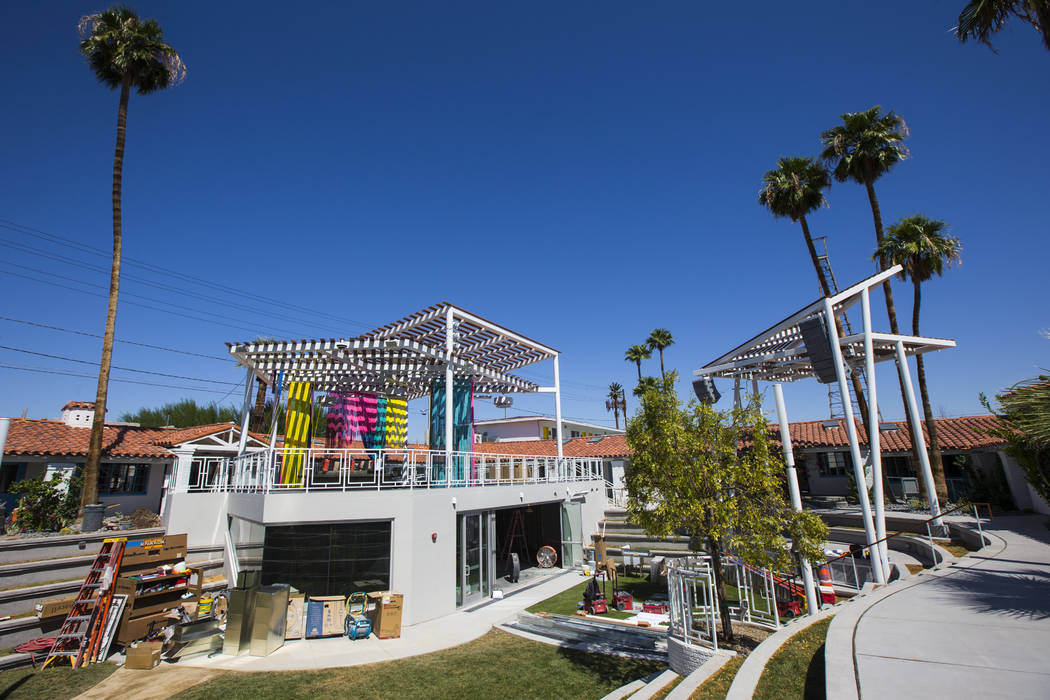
column 17, row 550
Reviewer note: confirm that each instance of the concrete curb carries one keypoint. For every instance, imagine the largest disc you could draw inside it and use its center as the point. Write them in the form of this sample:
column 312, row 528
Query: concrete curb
column 689, row 684
column 840, row 675
column 750, row 672
column 655, row 685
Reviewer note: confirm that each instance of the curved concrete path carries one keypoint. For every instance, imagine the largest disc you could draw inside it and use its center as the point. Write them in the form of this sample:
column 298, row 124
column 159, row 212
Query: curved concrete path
column 980, row 628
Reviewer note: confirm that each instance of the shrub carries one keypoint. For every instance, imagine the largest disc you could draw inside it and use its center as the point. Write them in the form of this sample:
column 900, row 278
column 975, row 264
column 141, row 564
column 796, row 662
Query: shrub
column 47, row 505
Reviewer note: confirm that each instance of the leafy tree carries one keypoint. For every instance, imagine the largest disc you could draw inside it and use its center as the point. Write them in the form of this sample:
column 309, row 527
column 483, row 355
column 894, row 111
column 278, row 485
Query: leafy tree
column 615, row 402
column 659, row 339
column 982, row 18
column 689, row 473
column 647, row 384
column 795, row 188
column 1024, row 411
column 123, row 52
column 183, row 414
column 921, row 246
column 637, row 353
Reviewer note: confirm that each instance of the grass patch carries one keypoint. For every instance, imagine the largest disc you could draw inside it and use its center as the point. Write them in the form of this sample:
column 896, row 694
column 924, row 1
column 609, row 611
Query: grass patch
column 668, row 688
column 797, row 669
column 914, row 568
column 717, row 686
column 955, row 548
column 564, row 603
column 496, row 665
column 51, row 683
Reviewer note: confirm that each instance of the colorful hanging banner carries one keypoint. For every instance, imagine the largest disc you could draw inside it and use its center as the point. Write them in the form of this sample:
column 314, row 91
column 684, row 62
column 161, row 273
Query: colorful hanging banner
column 396, row 423
column 296, row 432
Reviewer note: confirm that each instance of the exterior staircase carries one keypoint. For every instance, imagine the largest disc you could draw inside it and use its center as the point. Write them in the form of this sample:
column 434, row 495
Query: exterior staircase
column 619, row 533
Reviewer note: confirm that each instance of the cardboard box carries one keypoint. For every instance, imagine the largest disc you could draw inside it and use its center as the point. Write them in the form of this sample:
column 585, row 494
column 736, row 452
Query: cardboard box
column 144, row 656
column 55, row 607
column 293, row 626
column 386, row 615
column 326, row 616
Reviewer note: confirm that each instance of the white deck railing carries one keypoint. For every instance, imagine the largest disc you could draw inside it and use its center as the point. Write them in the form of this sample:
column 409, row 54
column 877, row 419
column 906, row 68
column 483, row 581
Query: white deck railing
column 320, row 469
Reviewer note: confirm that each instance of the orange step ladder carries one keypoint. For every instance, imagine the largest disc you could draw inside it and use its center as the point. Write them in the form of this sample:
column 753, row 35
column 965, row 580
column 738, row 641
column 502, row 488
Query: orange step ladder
column 81, row 633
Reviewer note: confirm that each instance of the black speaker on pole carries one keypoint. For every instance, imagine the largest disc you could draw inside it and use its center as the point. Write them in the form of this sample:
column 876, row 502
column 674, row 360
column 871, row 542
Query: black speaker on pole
column 704, row 388
column 818, row 345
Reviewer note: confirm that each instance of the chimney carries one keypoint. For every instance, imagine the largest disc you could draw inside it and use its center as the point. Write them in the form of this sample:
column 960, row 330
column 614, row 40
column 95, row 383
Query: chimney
column 78, row 414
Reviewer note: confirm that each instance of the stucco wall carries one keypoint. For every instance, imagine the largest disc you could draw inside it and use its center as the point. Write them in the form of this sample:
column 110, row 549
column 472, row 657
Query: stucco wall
column 420, row 567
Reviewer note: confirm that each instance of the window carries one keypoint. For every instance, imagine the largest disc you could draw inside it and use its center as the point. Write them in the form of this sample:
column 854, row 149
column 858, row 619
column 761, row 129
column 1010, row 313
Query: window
column 328, row 559
column 834, row 463
column 123, row 478
column 897, row 466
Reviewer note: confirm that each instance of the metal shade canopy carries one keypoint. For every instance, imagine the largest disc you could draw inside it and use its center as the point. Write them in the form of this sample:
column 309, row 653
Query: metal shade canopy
column 402, row 359
column 779, row 353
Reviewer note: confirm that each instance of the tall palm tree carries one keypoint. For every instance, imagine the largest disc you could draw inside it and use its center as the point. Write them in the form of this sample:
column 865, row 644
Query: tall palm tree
column 124, row 52
column 615, row 403
column 659, row 339
column 921, row 246
column 795, row 188
column 982, row 18
column 864, row 148
column 637, row 353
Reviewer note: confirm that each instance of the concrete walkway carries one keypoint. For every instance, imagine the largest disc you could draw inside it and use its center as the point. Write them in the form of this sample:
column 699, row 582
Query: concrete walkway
column 980, row 628
column 442, row 633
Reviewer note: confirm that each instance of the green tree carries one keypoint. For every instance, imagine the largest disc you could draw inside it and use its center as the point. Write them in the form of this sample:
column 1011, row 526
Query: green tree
column 647, row 384
column 923, row 248
column 982, row 18
column 637, row 353
column 795, row 189
column 185, row 413
column 688, row 473
column 123, row 52
column 659, row 339
column 615, row 403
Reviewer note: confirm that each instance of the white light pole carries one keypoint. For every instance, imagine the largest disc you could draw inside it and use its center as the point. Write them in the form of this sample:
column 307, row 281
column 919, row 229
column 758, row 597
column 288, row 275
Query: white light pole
column 557, row 414
column 851, row 432
column 796, row 495
column 449, row 342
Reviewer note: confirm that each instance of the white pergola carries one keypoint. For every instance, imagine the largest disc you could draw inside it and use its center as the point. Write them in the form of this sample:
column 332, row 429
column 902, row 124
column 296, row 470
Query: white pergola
column 402, row 359
column 779, row 354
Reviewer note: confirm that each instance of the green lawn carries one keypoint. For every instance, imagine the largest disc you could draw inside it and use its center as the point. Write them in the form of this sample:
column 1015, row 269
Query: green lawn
column 564, row 603
column 496, row 665
column 797, row 669
column 52, row 683
column 716, row 687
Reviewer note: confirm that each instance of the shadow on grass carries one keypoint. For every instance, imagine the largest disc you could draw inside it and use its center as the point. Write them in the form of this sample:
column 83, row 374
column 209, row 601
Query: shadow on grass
column 815, row 689
column 617, row 669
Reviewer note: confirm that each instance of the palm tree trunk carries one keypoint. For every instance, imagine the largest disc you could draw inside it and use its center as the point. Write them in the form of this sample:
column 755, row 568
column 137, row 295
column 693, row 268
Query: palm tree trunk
column 891, row 311
column 662, row 373
column 639, row 363
column 862, row 402
column 260, row 406
column 936, row 462
column 715, row 550
column 89, row 494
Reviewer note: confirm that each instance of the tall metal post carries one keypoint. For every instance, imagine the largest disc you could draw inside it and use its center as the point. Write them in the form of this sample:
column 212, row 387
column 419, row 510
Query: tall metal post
column 796, row 496
column 242, row 444
column 904, row 372
column 736, row 393
column 874, row 438
column 449, row 342
column 557, row 415
column 5, row 423
column 854, row 445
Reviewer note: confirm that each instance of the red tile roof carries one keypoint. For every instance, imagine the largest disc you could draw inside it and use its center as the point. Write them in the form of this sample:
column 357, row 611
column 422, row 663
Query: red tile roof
column 966, row 433
column 79, row 406
column 28, row 436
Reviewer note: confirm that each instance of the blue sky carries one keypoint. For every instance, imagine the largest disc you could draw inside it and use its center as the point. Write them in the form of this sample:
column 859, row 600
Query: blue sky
column 580, row 173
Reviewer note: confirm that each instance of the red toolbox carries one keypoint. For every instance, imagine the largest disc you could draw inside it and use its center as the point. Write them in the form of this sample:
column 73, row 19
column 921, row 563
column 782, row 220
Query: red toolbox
column 623, row 600
column 655, row 607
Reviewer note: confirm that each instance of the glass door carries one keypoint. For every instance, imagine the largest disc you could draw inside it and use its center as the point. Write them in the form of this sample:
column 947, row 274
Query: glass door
column 473, row 560
column 571, row 534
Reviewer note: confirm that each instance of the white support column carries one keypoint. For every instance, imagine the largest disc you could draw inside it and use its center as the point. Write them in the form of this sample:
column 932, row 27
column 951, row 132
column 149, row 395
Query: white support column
column 246, row 412
column 854, row 445
column 180, row 480
column 5, row 423
column 796, row 496
column 904, row 372
column 449, row 343
column 874, row 438
column 557, row 415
